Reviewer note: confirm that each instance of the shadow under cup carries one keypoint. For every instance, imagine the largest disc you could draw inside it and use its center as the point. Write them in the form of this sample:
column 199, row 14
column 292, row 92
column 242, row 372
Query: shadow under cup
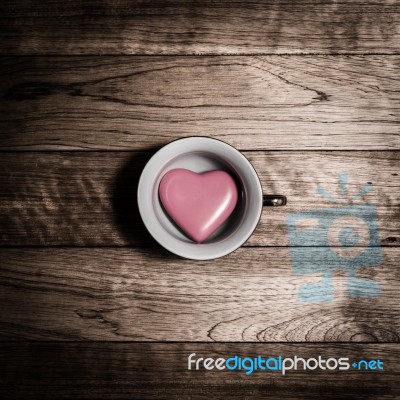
column 200, row 154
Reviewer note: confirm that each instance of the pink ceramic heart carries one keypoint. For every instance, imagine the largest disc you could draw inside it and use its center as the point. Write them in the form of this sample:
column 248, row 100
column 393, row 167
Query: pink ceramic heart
column 198, row 203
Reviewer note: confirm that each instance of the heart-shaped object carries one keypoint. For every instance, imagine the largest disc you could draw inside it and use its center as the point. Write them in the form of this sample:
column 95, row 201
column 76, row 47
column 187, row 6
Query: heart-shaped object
column 198, row 203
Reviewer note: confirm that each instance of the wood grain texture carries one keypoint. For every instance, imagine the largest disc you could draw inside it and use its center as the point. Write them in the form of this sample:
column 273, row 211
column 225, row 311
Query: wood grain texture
column 89, row 198
column 254, row 103
column 275, row 78
column 193, row 27
column 152, row 295
column 159, row 370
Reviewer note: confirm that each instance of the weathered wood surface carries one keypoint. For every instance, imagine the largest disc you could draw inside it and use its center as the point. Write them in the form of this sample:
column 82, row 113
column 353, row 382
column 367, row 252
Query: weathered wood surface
column 159, row 370
column 254, row 103
column 89, row 198
column 152, row 295
column 280, row 77
column 205, row 27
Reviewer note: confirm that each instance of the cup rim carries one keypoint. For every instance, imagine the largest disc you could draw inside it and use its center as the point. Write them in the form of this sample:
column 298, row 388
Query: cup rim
column 150, row 221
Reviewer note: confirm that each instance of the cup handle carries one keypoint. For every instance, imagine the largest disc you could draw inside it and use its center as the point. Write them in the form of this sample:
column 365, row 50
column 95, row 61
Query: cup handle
column 274, row 200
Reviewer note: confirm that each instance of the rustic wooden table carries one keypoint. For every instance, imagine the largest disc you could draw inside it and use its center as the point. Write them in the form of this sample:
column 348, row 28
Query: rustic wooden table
column 91, row 306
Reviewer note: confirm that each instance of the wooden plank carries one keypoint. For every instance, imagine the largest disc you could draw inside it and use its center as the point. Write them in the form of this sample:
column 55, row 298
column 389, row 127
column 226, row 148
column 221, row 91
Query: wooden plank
column 207, row 27
column 254, row 103
column 89, row 198
column 159, row 370
column 147, row 295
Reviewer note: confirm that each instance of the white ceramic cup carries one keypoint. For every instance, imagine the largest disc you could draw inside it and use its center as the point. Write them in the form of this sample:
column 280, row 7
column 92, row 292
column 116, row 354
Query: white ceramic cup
column 201, row 154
